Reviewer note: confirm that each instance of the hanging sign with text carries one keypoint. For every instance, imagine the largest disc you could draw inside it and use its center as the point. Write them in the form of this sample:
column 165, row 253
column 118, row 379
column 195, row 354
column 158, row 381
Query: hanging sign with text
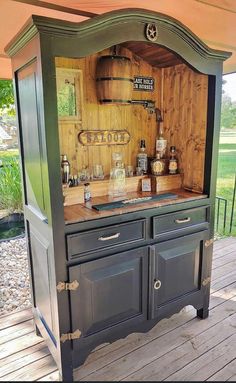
column 104, row 137
column 144, row 83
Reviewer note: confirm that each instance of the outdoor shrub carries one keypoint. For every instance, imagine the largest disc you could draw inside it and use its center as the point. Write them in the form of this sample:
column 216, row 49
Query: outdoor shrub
column 10, row 186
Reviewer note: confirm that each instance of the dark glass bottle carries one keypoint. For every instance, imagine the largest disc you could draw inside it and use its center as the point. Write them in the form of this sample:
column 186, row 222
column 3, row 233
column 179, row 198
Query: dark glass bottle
column 173, row 164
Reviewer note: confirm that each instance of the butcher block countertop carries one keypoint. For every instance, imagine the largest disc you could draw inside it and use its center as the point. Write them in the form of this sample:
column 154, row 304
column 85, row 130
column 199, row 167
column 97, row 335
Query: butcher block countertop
column 85, row 212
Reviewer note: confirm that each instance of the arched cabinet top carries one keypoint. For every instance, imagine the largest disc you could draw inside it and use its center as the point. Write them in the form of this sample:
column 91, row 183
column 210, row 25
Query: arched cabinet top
column 103, row 31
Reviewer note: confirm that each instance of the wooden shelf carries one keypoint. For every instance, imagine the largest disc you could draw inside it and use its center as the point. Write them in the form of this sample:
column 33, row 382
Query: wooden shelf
column 75, row 195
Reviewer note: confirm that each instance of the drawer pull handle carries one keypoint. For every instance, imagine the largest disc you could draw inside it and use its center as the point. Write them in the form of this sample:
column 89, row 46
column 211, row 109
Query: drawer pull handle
column 113, row 236
column 157, row 284
column 183, row 220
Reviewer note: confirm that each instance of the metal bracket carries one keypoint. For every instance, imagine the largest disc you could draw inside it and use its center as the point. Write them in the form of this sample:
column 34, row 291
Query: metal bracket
column 67, row 286
column 206, row 281
column 209, row 242
column 70, row 336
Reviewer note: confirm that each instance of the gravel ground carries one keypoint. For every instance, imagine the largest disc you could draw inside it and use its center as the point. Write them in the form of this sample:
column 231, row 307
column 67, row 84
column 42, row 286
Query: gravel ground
column 14, row 276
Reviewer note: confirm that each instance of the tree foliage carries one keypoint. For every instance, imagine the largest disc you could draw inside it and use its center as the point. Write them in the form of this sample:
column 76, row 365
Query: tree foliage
column 6, row 94
column 228, row 112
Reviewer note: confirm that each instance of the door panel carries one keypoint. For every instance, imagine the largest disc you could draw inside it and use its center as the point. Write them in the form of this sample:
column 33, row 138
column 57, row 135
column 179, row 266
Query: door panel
column 176, row 269
column 111, row 290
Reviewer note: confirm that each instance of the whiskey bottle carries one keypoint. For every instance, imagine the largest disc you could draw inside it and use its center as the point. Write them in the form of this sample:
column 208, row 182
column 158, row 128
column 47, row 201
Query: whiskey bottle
column 161, row 143
column 173, row 165
column 158, row 165
column 142, row 159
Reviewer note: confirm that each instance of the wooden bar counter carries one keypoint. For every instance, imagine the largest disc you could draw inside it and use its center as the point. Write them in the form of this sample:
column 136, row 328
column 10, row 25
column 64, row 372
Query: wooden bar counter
column 85, row 212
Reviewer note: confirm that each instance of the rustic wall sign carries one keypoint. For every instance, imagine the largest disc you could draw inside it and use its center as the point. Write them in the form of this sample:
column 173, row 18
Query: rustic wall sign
column 144, row 83
column 104, row 137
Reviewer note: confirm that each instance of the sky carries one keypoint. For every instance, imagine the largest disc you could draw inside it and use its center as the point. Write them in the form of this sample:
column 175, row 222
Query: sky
column 230, row 86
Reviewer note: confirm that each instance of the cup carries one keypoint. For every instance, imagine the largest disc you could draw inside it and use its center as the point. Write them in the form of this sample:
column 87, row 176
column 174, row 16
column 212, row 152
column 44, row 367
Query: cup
column 98, row 172
column 129, row 171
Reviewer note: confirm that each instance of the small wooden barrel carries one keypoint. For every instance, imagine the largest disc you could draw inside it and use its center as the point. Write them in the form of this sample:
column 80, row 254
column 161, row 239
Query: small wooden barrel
column 114, row 80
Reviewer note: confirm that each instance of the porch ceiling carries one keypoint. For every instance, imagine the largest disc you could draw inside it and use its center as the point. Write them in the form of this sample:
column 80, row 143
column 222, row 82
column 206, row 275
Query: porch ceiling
column 213, row 21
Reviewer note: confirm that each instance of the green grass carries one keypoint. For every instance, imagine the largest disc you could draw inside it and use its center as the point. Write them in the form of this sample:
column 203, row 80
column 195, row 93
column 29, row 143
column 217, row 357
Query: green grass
column 4, row 154
column 225, row 178
column 10, row 182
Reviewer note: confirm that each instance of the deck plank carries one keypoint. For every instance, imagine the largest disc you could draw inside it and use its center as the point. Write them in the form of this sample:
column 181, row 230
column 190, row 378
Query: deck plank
column 121, row 363
column 228, row 373
column 19, row 344
column 10, row 365
column 178, row 358
column 35, row 370
column 16, row 331
column 17, row 317
column 209, row 363
column 182, row 347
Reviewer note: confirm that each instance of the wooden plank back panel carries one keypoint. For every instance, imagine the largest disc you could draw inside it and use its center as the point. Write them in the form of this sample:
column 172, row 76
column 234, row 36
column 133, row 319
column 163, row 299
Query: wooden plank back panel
column 185, row 118
column 179, row 92
column 96, row 116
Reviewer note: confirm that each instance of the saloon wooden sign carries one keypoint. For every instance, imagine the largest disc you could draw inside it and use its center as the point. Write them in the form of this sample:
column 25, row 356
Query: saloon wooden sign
column 104, row 137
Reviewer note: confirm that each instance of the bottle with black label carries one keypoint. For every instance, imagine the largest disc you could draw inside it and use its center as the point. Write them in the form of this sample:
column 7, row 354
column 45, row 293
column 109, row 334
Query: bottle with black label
column 142, row 159
column 173, row 165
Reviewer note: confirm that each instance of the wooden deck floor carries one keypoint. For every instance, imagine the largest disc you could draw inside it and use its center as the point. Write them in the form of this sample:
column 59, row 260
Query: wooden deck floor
column 176, row 349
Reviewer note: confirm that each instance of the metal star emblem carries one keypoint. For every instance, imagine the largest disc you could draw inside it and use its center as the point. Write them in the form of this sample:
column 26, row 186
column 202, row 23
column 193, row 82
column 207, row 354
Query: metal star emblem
column 151, row 32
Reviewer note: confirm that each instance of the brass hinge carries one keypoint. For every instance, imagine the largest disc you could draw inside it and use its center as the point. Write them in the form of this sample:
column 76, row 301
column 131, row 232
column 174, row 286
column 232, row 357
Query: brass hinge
column 206, row 281
column 71, row 335
column 67, row 286
column 209, row 242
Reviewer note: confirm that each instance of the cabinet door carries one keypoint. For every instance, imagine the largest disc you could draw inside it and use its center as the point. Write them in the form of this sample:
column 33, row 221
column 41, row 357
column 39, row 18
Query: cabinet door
column 111, row 290
column 176, row 270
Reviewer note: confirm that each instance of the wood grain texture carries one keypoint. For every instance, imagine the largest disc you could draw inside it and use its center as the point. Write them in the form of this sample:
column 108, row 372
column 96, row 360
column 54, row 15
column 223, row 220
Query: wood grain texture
column 134, row 118
column 185, row 117
column 85, row 212
column 100, row 188
column 180, row 93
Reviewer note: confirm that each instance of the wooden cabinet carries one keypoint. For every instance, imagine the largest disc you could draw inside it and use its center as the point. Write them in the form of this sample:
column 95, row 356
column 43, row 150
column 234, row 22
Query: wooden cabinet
column 176, row 268
column 140, row 263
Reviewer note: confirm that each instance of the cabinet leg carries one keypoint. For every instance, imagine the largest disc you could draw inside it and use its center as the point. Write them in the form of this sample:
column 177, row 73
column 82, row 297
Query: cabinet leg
column 38, row 333
column 203, row 313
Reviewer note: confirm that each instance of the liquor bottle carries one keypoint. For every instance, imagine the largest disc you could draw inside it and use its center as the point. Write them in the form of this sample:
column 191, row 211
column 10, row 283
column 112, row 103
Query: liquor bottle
column 161, row 143
column 65, row 169
column 158, row 165
column 142, row 159
column 173, row 165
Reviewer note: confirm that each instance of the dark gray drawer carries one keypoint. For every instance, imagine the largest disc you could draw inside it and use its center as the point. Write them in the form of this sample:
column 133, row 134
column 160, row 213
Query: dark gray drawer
column 185, row 219
column 107, row 237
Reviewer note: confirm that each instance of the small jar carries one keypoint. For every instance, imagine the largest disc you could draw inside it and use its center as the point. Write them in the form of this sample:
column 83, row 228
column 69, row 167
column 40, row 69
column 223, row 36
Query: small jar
column 87, row 192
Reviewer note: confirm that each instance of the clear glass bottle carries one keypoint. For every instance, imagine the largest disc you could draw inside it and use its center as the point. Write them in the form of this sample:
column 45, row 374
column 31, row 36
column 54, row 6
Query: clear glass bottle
column 117, row 176
column 87, row 192
column 65, row 169
column 142, row 159
column 173, row 164
column 161, row 143
column 158, row 165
